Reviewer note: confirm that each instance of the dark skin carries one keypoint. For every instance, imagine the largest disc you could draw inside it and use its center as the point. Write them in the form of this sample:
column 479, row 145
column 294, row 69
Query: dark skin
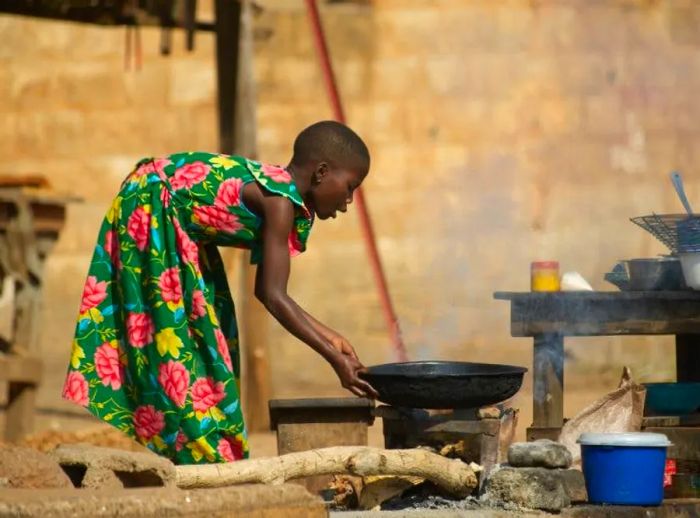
column 326, row 190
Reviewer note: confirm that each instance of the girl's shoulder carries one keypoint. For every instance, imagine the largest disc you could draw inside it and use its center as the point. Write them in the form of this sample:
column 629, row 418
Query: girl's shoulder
column 275, row 179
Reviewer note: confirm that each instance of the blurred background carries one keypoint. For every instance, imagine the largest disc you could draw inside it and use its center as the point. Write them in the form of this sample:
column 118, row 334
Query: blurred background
column 501, row 132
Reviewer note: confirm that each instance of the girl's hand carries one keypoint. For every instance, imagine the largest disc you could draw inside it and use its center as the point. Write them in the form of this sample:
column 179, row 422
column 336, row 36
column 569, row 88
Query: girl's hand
column 343, row 346
column 347, row 368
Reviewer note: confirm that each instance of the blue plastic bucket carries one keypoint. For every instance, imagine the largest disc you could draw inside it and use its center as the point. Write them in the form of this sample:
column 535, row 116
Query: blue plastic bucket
column 624, row 468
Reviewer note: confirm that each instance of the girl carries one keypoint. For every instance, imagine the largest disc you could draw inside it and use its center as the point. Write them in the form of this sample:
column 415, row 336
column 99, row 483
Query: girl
column 155, row 351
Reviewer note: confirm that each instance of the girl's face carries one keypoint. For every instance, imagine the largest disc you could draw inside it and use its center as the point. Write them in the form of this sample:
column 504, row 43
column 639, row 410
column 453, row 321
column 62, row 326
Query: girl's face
column 332, row 189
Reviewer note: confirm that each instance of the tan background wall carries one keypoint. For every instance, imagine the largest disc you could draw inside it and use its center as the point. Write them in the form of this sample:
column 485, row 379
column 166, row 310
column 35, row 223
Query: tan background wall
column 501, row 132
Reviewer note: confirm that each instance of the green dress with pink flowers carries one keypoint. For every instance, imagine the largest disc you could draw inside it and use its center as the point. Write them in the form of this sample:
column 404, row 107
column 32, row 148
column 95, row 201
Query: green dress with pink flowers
column 155, row 351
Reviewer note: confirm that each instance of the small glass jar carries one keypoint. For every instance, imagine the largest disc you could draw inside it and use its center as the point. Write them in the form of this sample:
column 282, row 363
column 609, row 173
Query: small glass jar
column 544, row 276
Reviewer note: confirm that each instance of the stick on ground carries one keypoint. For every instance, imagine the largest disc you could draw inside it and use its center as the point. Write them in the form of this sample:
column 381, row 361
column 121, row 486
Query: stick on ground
column 451, row 475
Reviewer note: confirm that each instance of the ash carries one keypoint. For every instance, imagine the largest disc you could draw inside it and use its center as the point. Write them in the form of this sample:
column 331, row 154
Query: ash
column 426, row 496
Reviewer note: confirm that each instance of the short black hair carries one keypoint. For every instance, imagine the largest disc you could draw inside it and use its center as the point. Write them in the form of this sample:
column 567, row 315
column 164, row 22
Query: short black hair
column 333, row 142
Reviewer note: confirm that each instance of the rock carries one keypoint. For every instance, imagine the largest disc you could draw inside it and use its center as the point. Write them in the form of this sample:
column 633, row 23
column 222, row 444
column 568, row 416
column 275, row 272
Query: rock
column 108, row 468
column 27, row 468
column 575, row 484
column 534, row 488
column 542, row 453
column 490, row 412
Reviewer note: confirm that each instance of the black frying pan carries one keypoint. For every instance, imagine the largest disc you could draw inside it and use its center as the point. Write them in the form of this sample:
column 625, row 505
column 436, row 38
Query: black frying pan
column 442, row 384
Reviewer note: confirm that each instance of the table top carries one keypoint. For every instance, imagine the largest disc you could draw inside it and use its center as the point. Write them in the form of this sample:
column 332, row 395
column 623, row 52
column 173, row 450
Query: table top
column 619, row 296
column 603, row 313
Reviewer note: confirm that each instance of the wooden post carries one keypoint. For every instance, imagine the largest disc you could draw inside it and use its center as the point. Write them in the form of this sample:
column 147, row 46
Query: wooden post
column 548, row 381
column 228, row 16
column 237, row 134
column 688, row 357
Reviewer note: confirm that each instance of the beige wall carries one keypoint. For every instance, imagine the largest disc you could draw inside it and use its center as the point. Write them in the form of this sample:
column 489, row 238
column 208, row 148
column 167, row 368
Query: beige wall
column 501, row 132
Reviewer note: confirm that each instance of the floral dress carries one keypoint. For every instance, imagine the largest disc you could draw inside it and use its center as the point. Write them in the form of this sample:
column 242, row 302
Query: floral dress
column 155, row 351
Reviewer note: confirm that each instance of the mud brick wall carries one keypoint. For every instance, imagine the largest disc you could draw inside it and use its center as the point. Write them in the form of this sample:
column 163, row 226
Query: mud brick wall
column 502, row 131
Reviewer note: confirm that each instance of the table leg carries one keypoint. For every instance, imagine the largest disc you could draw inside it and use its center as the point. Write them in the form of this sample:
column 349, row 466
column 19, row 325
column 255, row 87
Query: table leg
column 688, row 357
column 548, row 381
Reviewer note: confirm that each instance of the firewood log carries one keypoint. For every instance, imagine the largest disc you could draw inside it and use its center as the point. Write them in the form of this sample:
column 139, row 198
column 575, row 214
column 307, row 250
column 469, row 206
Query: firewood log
column 452, row 475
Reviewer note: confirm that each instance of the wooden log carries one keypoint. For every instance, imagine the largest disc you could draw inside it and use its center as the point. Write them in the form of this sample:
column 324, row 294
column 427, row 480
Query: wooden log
column 452, row 475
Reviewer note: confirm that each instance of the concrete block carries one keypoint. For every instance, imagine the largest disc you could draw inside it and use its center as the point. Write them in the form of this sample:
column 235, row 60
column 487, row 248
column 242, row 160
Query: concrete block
column 27, row 468
column 132, row 468
column 98, row 478
column 539, row 454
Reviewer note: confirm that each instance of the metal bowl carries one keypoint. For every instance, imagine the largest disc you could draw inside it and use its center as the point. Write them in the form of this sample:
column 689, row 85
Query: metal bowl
column 656, row 273
column 444, row 384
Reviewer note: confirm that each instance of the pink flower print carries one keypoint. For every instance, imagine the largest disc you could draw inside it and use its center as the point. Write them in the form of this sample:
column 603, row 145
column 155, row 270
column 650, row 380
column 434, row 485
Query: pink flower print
column 294, row 244
column 76, row 388
column 188, row 249
column 206, row 394
column 137, row 227
column 108, row 367
column 276, row 173
column 175, row 379
column 139, row 329
column 223, row 348
column 188, row 175
column 148, row 421
column 217, row 218
column 180, row 441
column 230, row 448
column 229, row 193
column 165, row 197
column 169, row 283
column 93, row 293
column 199, row 304
column 152, row 166
column 112, row 247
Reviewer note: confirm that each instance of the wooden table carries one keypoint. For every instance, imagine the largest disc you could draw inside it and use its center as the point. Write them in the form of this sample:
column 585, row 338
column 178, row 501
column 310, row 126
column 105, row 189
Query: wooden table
column 550, row 317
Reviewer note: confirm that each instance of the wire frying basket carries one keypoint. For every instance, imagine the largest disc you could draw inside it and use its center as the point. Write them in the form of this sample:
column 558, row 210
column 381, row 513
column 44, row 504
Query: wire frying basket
column 679, row 232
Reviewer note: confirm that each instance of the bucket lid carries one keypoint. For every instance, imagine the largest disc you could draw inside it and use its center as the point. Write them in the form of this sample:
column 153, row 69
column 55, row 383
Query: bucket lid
column 624, row 439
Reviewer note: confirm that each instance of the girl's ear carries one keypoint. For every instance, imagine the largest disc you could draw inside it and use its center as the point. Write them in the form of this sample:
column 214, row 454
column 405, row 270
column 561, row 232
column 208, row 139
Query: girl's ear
column 319, row 173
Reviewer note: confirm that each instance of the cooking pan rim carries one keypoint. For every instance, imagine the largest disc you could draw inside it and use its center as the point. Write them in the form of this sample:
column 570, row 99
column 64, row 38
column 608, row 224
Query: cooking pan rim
column 506, row 371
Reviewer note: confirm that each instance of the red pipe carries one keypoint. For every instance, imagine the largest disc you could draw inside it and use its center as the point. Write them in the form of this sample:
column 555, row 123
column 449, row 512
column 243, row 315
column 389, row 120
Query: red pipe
column 392, row 321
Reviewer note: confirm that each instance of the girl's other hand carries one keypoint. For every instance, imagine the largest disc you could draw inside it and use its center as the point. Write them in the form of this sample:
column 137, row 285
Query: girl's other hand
column 347, row 368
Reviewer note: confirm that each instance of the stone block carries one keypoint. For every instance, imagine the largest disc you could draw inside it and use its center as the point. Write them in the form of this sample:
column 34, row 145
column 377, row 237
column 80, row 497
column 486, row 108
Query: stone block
column 575, row 484
column 533, row 488
column 133, row 469
column 543, row 454
column 27, row 468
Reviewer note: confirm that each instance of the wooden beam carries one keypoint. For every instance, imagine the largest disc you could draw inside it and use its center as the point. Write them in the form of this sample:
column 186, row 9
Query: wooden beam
column 228, row 20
